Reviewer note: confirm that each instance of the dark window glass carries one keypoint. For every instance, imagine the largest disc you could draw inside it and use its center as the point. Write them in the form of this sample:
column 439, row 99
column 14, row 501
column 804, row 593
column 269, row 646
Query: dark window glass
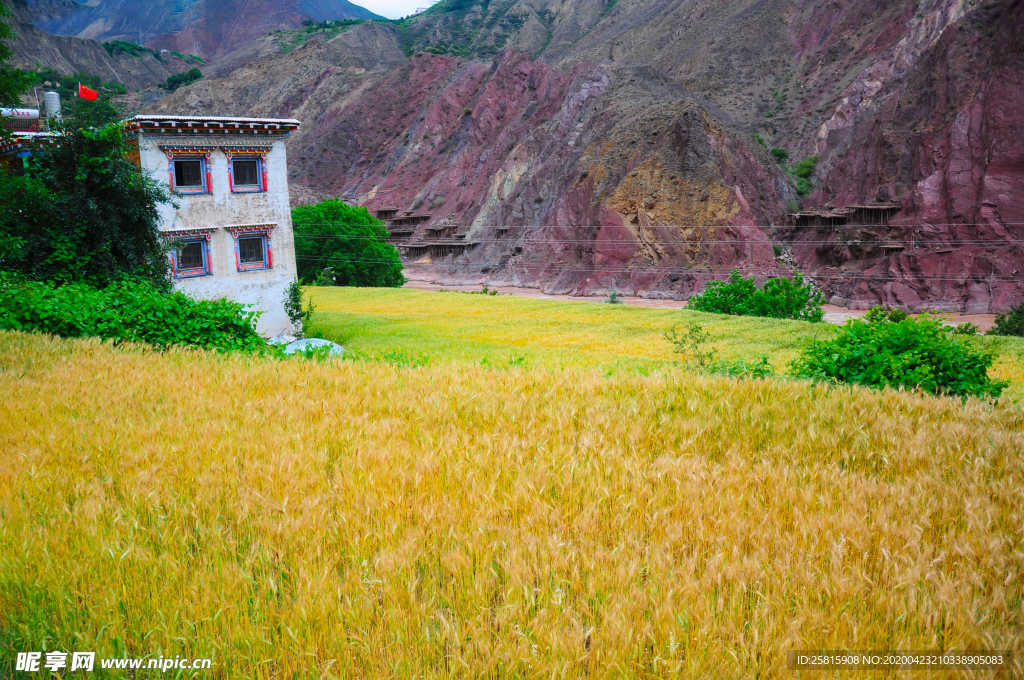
column 247, row 173
column 250, row 250
column 190, row 256
column 188, row 173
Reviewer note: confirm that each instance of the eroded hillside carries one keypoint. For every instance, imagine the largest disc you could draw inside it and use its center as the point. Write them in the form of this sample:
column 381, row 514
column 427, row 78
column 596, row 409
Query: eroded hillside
column 616, row 148
column 204, row 27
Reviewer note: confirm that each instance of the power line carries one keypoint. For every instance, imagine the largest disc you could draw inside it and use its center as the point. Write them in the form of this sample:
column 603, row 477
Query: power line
column 860, row 225
column 989, row 242
column 981, row 278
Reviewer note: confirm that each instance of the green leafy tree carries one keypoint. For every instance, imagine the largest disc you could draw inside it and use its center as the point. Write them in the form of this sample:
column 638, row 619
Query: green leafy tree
column 780, row 298
column 913, row 352
column 351, row 241
column 1011, row 323
column 13, row 82
column 80, row 211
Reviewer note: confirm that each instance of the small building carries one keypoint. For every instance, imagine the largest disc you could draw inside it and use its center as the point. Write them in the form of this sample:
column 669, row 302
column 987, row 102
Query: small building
column 232, row 228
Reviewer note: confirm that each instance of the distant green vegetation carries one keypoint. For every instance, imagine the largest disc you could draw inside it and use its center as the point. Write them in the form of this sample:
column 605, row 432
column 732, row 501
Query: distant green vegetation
column 115, row 47
column 759, row 139
column 289, row 40
column 781, row 155
column 67, row 86
column 1011, row 323
column 181, row 79
column 800, row 175
column 779, row 298
column 330, row 26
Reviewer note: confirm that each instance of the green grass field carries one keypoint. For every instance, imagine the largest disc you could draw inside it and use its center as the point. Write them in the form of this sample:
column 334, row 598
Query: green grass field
column 446, row 327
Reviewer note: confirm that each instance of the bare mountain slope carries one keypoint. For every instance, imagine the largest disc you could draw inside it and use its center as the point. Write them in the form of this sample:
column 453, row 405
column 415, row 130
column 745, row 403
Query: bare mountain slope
column 608, row 158
column 204, row 27
column 66, row 54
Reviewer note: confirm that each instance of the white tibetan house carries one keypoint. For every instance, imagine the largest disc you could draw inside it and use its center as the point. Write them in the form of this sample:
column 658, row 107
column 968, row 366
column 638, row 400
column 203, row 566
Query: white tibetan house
column 232, row 227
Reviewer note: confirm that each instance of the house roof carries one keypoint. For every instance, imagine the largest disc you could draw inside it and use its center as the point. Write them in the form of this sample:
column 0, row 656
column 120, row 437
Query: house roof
column 210, row 124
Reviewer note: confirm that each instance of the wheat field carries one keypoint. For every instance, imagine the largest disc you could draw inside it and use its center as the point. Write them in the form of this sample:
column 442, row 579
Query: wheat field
column 354, row 519
column 456, row 327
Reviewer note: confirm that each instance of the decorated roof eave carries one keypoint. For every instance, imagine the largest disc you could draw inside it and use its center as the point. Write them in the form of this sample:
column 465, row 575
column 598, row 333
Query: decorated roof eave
column 211, row 124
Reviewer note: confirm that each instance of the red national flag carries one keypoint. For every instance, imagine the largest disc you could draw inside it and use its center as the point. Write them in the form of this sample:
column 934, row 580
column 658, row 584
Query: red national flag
column 86, row 93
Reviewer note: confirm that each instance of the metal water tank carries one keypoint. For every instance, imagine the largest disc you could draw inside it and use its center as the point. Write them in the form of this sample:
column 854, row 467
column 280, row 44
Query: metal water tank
column 51, row 101
column 20, row 119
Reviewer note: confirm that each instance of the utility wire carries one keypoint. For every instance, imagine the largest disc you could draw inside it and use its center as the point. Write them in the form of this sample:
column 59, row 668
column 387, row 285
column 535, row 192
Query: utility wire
column 982, row 278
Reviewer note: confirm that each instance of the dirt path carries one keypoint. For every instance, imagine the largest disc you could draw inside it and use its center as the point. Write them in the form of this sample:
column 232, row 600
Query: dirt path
column 833, row 314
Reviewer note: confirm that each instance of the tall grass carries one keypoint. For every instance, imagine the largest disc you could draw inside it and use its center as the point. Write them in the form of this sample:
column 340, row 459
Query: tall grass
column 357, row 520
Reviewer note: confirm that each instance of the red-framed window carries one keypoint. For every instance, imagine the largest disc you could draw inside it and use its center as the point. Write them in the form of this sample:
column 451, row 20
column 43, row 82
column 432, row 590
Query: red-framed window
column 247, row 174
column 247, row 168
column 190, row 253
column 253, row 249
column 189, row 169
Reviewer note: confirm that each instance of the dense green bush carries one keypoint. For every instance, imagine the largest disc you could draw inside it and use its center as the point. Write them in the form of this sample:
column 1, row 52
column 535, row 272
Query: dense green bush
column 177, row 80
column 128, row 312
column 915, row 352
column 351, row 241
column 1011, row 323
column 781, row 155
column 800, row 175
column 116, row 47
column 780, row 298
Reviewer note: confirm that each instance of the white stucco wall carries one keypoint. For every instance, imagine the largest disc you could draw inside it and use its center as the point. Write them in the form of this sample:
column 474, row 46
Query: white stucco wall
column 262, row 288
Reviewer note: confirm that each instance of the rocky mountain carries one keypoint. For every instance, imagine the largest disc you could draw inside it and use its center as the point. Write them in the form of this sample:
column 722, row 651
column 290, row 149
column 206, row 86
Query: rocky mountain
column 589, row 145
column 205, row 27
column 31, row 11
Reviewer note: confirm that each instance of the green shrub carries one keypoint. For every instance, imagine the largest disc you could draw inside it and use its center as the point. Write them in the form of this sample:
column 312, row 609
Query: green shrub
column 613, row 298
column 116, row 47
column 177, row 80
column 967, row 328
column 780, row 298
column 691, row 345
column 349, row 241
column 759, row 139
column 879, row 313
column 915, row 352
column 800, row 175
column 740, row 368
column 781, row 155
column 300, row 318
column 805, row 168
column 128, row 312
column 1011, row 323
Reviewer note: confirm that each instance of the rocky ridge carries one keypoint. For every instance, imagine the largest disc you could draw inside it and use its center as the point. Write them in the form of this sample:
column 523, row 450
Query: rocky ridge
column 616, row 150
column 208, row 28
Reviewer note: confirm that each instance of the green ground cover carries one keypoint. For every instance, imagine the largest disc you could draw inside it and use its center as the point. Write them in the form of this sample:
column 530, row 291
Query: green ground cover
column 446, row 327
